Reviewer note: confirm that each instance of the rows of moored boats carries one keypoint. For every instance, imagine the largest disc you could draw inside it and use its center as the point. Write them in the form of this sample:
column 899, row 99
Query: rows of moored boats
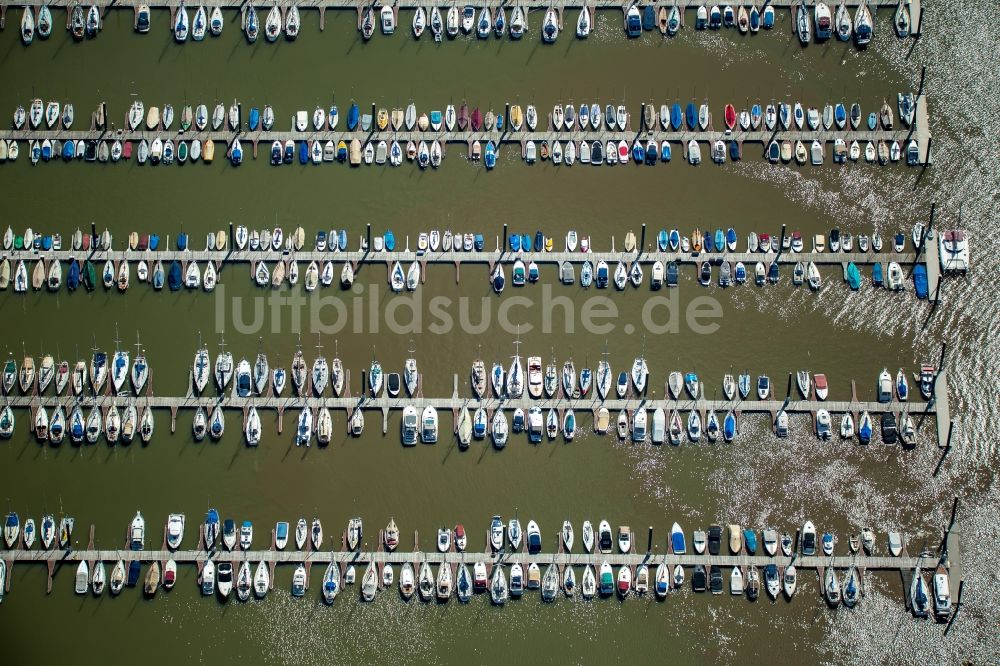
column 418, row 578
column 819, row 23
column 773, row 117
column 175, row 275
column 247, row 380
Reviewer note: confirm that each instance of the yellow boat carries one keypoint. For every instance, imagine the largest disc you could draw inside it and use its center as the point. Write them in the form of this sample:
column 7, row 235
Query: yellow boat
column 355, row 152
column 696, row 240
column 397, row 118
column 382, row 119
column 220, row 240
column 153, row 118
column 548, row 244
column 516, row 116
column 341, row 150
column 208, row 152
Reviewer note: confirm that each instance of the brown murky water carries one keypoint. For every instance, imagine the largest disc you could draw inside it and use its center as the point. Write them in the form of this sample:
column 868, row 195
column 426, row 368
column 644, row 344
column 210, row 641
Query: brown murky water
column 758, row 480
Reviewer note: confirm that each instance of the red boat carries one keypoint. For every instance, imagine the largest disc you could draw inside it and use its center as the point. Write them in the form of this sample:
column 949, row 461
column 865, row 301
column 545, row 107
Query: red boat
column 460, row 539
column 127, row 150
column 730, row 116
column 822, row 388
column 477, row 119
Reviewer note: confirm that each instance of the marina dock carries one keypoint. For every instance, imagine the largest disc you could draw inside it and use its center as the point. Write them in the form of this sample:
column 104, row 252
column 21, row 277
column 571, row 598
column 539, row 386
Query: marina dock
column 560, row 6
column 927, row 256
column 937, row 408
column 56, row 559
column 919, row 132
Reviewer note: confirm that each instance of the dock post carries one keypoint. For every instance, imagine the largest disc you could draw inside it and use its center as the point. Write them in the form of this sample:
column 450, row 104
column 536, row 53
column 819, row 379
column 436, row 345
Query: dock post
column 93, row 234
column 944, row 348
column 649, row 540
column 930, row 222
column 504, row 244
column 368, row 235
column 947, row 446
column 642, row 240
column 232, row 239
column 781, row 245
column 506, row 114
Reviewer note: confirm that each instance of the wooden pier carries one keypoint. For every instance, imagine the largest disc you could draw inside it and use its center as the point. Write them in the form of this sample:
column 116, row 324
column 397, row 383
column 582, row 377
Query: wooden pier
column 937, row 407
column 919, row 132
column 56, row 559
column 539, row 6
column 499, row 255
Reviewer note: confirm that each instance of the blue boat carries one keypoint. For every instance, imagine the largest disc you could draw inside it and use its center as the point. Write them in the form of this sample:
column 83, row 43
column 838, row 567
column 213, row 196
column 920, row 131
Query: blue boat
column 853, row 276
column 731, row 239
column 920, row 280
column 638, row 154
column 773, row 273
column 174, row 280
column 303, row 152
column 532, row 271
column 754, row 19
column 498, row 281
column 740, row 274
column 648, row 17
column 872, row 121
column 182, row 241
column 281, row 532
column 865, row 429
column 662, row 240
column 73, row 279
column 651, row 152
column 677, row 542
column 490, row 159
column 46, row 151
column 676, row 117
column 665, row 151
column 840, row 114
column 353, row 114
column 729, row 427
column 157, row 279
column 674, row 240
column 435, row 118
column 46, row 242
column 539, row 241
column 602, row 275
column 69, row 150
column 515, row 243
column 526, row 242
column 672, row 274
column 768, row 19
column 720, row 240
column 342, row 240
column 707, row 242
column 236, row 153
column 390, row 241
column 735, row 152
column 877, row 274
column 500, row 122
column 633, row 23
column 276, row 153
column 254, row 118
column 692, row 116
column 479, row 242
column 342, row 152
column 154, row 242
column 134, row 570
column 750, row 539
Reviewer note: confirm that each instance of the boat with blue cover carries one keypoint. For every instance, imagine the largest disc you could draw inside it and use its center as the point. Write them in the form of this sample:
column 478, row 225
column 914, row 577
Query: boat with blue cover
column 353, row 115
column 853, row 276
column 691, row 116
column 254, row 118
column 390, row 241
column 665, row 151
column 720, row 240
column 174, row 278
column 490, row 158
column 662, row 240
column 920, row 280
column 677, row 540
column 877, row 277
column 750, row 541
column 676, row 117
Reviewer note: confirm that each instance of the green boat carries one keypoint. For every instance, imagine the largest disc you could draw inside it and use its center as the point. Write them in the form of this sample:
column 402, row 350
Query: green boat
column 182, row 152
column 18, row 242
column 6, row 422
column 853, row 276
column 89, row 276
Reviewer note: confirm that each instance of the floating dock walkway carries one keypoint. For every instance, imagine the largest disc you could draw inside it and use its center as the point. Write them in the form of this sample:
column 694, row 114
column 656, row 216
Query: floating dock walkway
column 560, row 6
column 937, row 407
column 919, row 132
column 905, row 564
column 928, row 255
